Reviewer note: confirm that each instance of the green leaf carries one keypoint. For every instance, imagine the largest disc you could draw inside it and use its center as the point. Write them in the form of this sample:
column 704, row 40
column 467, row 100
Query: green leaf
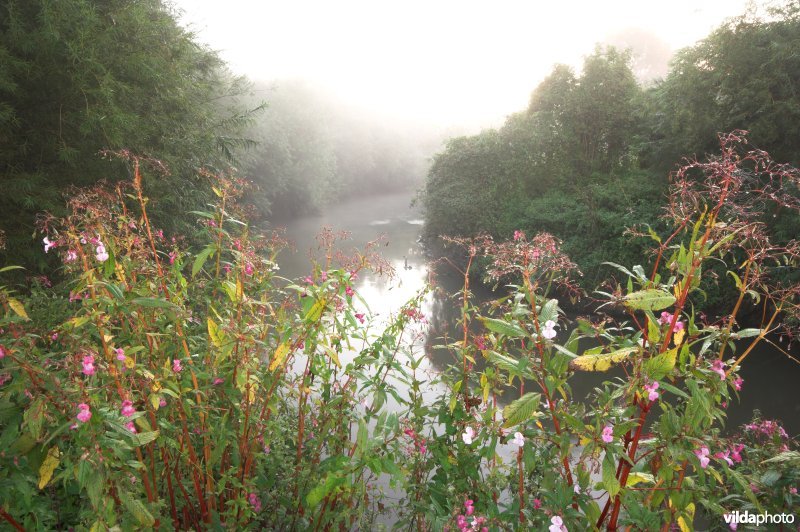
column 650, row 299
column 521, row 410
column 143, row 438
column 137, row 509
column 153, row 302
column 503, row 327
column 601, row 361
column 660, row 365
column 201, row 258
column 610, row 482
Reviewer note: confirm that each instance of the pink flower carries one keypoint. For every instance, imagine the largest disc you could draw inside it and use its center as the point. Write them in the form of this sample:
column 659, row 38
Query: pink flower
column 360, row 317
column 719, row 368
column 665, row 318
column 176, row 366
column 608, row 434
column 127, row 409
column 101, row 253
column 518, row 235
column 537, row 504
column 557, row 524
column 2, row 352
column 48, row 245
column 461, row 522
column 548, row 331
column 71, row 256
column 172, row 256
column 736, row 452
column 254, row 501
column 470, row 509
column 248, row 269
column 84, row 413
column 468, row 436
column 88, row 365
column 651, row 388
column 519, row 440
column 217, row 381
column 130, row 426
column 702, row 454
column 162, row 402
column 737, row 383
column 724, row 455
column 120, row 354
column 793, row 491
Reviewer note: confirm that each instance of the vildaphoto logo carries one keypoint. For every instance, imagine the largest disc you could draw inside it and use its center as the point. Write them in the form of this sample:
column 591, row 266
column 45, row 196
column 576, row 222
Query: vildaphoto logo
column 766, row 518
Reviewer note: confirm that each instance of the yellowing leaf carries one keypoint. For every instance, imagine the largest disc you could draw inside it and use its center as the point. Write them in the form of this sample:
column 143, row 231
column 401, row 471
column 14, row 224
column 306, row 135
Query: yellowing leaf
column 539, row 424
column 650, row 299
column 315, row 311
column 637, row 477
column 677, row 337
column 660, row 365
column 601, row 361
column 213, row 332
column 49, row 465
column 682, row 522
column 156, row 386
column 279, row 356
column 129, row 362
column 18, row 308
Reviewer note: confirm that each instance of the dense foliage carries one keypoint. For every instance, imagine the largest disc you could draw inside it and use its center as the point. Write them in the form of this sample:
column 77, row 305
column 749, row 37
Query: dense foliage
column 81, row 76
column 591, row 152
column 179, row 388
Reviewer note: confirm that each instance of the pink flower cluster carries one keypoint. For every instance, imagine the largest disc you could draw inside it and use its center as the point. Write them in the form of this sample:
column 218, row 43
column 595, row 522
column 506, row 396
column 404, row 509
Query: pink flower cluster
column 88, row 365
column 254, row 501
column 608, row 434
column 477, row 523
column 718, row 367
column 127, row 409
column 418, row 441
column 767, row 428
column 557, row 524
column 651, row 388
column 84, row 413
column 666, row 319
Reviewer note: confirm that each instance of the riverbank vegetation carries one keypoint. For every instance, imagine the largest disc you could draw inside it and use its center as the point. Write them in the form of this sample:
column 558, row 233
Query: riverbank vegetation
column 173, row 378
column 592, row 151
column 194, row 388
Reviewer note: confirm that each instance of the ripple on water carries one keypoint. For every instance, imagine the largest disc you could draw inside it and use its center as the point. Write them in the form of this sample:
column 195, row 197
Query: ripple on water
column 380, row 222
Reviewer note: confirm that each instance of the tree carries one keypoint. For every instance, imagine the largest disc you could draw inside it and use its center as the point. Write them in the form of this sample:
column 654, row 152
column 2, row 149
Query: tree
column 80, row 76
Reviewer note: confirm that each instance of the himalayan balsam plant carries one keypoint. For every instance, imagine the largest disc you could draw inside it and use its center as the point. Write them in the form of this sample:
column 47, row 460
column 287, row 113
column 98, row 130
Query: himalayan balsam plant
column 178, row 389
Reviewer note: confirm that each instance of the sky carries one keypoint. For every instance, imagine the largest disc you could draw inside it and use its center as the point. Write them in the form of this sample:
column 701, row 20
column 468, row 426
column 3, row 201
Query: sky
column 443, row 63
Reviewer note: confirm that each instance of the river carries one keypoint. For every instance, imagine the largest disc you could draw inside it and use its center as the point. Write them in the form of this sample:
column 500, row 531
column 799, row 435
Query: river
column 769, row 376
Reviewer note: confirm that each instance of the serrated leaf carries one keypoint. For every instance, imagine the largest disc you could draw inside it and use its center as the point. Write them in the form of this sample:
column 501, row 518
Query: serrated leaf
column 137, row 509
column 503, row 327
column 143, row 438
column 315, row 312
column 660, row 365
column 650, row 299
column 521, row 410
column 49, row 465
column 610, row 482
column 686, row 522
column 279, row 356
column 18, row 308
column 601, row 361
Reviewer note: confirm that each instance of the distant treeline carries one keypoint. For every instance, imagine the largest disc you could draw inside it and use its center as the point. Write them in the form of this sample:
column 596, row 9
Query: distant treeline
column 592, row 152
column 79, row 77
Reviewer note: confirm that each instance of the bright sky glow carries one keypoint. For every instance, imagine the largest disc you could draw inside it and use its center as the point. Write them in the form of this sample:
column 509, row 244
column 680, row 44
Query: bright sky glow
column 440, row 62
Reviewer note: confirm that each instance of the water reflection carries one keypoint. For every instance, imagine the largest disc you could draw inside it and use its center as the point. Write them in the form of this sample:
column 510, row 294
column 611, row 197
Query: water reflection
column 769, row 375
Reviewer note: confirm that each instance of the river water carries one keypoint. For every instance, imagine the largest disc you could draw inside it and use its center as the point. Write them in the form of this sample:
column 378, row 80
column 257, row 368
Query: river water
column 770, row 377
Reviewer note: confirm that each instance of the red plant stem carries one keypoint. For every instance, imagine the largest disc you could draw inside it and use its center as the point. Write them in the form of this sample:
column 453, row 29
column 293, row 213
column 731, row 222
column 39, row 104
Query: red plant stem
column 11, row 520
